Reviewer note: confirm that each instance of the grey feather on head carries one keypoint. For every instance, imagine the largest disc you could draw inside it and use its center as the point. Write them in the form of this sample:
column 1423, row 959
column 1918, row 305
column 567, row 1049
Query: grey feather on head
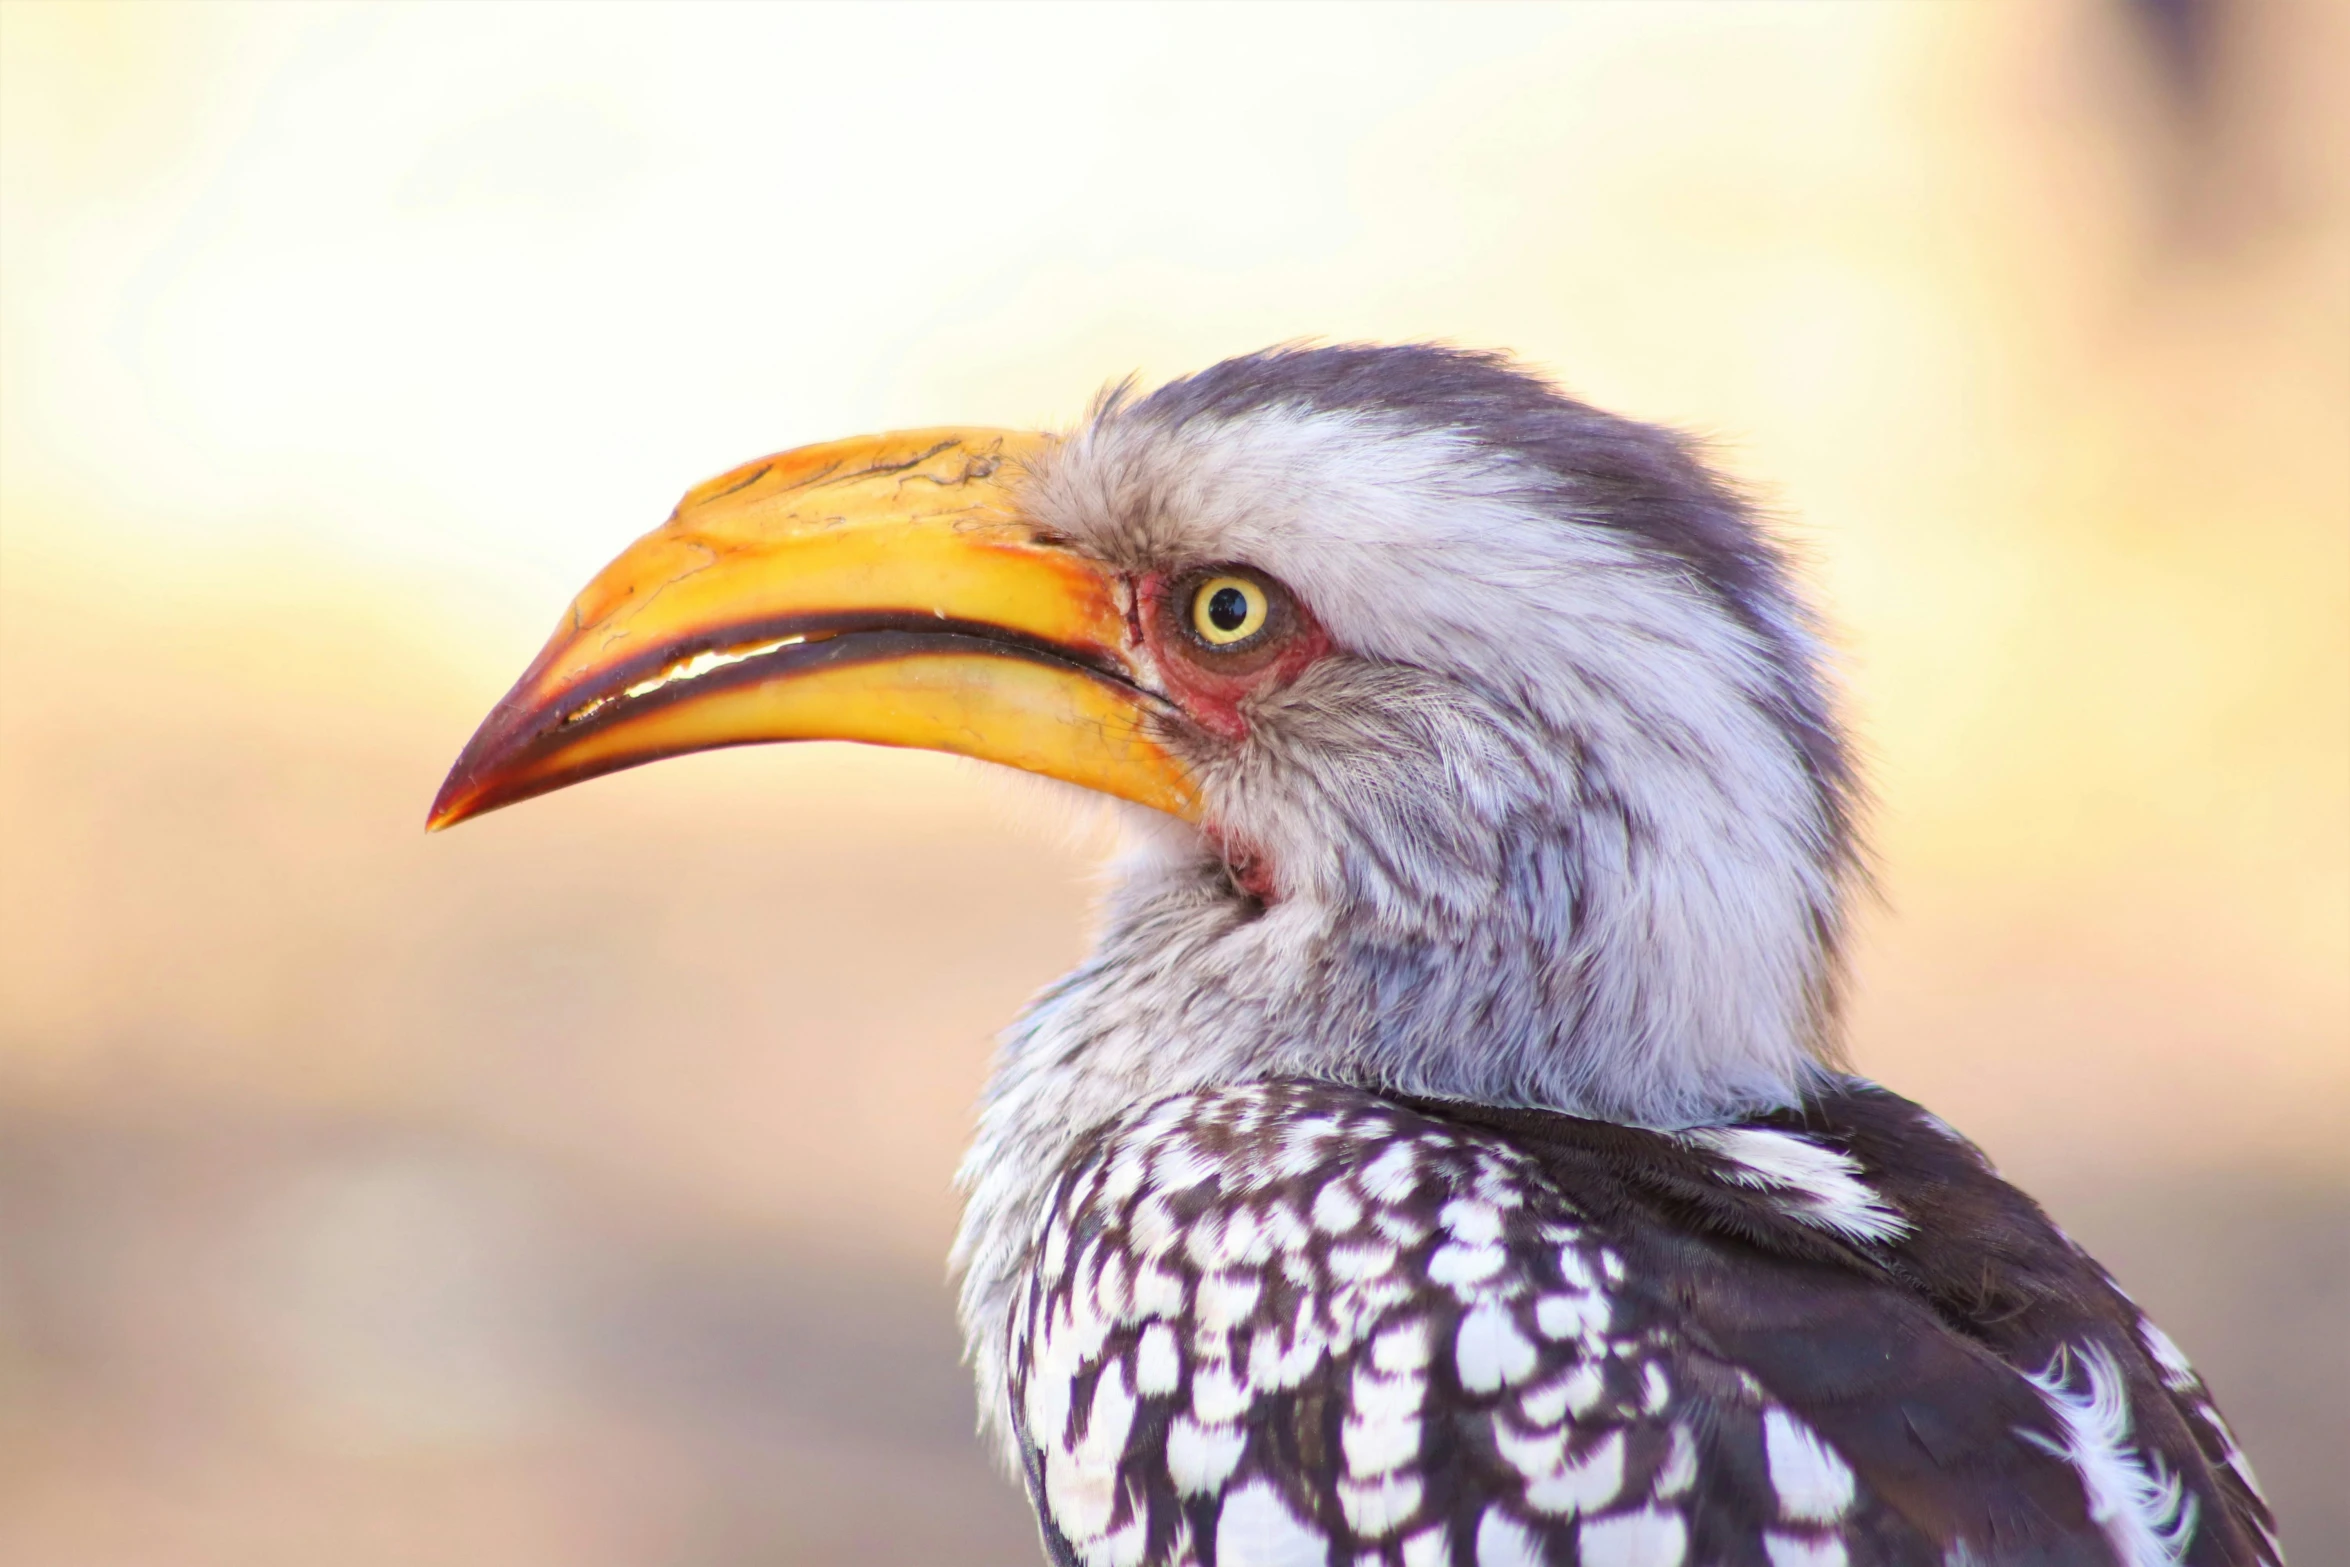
column 1563, row 819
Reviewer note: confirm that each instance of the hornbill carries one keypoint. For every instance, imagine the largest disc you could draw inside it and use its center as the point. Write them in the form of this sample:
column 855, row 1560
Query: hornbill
column 1443, row 1158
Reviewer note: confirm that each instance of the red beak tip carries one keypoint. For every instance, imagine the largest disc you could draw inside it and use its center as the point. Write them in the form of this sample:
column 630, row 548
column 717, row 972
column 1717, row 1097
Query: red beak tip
column 449, row 807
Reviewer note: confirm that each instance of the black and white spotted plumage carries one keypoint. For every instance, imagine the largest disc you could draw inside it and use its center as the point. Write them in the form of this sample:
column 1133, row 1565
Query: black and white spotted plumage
column 1287, row 1324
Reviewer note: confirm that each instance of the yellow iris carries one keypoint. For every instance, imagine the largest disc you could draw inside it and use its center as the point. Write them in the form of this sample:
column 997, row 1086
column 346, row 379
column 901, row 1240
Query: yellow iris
column 1228, row 610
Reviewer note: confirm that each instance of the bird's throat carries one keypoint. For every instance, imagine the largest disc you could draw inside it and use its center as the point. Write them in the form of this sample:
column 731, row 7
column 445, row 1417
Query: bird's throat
column 1250, row 868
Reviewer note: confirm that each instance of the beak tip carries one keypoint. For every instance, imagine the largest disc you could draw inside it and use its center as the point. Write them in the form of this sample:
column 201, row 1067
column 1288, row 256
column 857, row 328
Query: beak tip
column 474, row 782
column 454, row 803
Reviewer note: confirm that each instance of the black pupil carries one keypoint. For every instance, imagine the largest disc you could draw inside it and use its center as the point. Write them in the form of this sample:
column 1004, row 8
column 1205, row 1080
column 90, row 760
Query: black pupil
column 1228, row 609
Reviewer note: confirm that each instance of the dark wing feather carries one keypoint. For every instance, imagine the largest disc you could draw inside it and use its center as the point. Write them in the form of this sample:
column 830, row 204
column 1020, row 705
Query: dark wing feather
column 2000, row 1271
column 1977, row 1269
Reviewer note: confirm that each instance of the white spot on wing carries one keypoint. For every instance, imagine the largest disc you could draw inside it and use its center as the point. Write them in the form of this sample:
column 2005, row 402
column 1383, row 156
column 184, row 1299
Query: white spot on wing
column 1305, row 1147
column 1373, row 1446
column 1378, row 1398
column 1467, row 1219
column 1458, row 1266
column 1814, row 1485
column 1179, row 1166
column 1572, row 1316
column 1152, row 1229
column 2145, row 1511
column 1584, row 1387
column 1651, row 1537
column 1821, row 1187
column 1353, row 1264
column 1275, row 1363
column 1255, row 1528
column 1113, row 1299
column 1121, row 1547
column 1574, row 1269
column 1542, row 1451
column 1201, row 1458
column 1081, row 1481
column 1391, row 1176
column 1046, row 1404
column 1504, row 1542
column 1226, row 1300
column 1655, row 1390
column 1679, row 1470
column 1284, row 1229
column 1547, row 1404
column 1157, row 1293
column 1203, row 1243
column 2178, row 1374
column 1581, row 1485
column 1490, row 1351
column 1403, row 1347
column 1787, row 1550
column 1378, row 1507
column 1382, row 1427
column 1216, row 1394
column 1244, row 1239
column 1335, row 1209
column 1158, row 1365
column 1428, row 1548
column 2236, row 1458
column 1124, row 1177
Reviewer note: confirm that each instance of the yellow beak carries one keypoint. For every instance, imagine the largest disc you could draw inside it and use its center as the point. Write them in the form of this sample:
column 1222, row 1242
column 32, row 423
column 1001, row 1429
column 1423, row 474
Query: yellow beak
column 883, row 589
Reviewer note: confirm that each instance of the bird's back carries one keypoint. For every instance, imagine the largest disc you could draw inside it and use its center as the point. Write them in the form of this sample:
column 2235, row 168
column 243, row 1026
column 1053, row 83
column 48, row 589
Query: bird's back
column 1287, row 1323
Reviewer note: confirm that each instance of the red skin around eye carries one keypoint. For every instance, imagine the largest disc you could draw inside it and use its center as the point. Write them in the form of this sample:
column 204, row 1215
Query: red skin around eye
column 1211, row 687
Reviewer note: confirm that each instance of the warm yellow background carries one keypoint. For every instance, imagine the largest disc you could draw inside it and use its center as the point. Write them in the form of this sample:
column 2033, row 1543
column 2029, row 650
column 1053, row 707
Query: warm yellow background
column 571, row 1189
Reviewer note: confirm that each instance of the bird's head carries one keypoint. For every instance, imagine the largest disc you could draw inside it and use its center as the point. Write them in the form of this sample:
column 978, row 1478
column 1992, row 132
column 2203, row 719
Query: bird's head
column 1478, row 736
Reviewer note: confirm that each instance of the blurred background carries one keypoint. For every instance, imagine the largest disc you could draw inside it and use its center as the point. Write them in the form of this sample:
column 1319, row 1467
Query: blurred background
column 573, row 1189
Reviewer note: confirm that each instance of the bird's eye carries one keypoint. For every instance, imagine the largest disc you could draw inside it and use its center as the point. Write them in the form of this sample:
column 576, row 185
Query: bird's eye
column 1227, row 611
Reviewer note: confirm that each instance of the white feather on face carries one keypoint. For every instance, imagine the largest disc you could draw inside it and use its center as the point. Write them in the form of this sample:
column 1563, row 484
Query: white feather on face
column 1560, row 821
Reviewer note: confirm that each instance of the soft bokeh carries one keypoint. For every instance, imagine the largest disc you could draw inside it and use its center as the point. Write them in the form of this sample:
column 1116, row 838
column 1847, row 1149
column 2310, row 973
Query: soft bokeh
column 572, row 1189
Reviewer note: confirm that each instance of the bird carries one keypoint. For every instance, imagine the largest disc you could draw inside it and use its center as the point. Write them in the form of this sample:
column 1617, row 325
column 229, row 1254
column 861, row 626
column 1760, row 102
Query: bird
column 1446, row 1154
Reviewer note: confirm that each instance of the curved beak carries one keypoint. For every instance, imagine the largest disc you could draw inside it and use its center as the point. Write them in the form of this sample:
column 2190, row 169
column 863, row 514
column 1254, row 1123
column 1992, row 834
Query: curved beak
column 882, row 589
